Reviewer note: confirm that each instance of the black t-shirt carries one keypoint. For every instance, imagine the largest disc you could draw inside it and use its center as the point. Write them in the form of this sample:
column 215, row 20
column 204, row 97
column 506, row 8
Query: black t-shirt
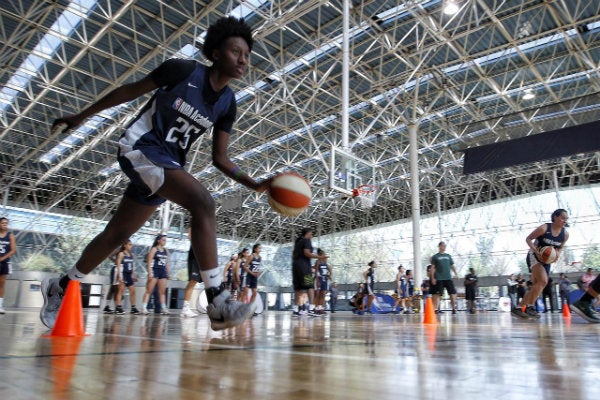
column 298, row 254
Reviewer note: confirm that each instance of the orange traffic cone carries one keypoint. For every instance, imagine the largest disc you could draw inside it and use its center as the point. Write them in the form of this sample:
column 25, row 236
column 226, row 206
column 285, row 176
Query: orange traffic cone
column 69, row 321
column 566, row 311
column 429, row 312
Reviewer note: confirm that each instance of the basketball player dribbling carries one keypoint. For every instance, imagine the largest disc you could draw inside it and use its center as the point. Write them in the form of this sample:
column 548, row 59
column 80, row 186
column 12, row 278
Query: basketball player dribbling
column 188, row 100
column 549, row 234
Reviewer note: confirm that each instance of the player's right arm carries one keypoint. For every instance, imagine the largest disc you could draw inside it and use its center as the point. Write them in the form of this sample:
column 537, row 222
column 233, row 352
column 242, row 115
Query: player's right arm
column 537, row 232
column 120, row 95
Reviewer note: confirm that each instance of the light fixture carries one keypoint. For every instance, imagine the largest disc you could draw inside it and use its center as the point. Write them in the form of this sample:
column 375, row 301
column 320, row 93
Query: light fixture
column 451, row 8
column 528, row 95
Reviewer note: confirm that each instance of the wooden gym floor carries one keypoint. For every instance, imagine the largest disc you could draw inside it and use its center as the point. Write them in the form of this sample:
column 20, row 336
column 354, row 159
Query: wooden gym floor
column 273, row 356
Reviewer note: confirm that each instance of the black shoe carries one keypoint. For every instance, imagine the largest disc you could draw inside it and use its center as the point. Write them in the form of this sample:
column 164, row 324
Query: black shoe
column 107, row 310
column 518, row 312
column 532, row 312
column 119, row 310
column 453, row 312
column 135, row 311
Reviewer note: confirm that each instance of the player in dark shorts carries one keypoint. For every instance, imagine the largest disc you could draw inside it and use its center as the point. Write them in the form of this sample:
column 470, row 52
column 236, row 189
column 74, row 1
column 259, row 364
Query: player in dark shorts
column 8, row 247
column 369, row 276
column 471, row 290
column 442, row 264
column 113, row 289
column 322, row 278
column 158, row 273
column 228, row 273
column 188, row 100
column 124, row 264
column 243, row 290
column 302, row 274
column 253, row 269
column 550, row 234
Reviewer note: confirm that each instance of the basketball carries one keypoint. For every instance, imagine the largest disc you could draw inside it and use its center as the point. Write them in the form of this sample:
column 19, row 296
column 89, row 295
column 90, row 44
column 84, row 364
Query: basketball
column 289, row 194
column 548, row 254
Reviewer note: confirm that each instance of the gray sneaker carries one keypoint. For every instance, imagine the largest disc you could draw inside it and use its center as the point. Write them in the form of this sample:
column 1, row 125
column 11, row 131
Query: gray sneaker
column 225, row 312
column 53, row 295
column 585, row 310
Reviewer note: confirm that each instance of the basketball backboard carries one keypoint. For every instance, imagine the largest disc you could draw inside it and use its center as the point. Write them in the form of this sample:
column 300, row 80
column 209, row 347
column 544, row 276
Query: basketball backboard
column 348, row 172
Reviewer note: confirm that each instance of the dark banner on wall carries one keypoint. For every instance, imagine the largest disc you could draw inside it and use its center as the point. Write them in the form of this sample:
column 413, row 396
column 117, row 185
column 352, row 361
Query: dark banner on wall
column 543, row 146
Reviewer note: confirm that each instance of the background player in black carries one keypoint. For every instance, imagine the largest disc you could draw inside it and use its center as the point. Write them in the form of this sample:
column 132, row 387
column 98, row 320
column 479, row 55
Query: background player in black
column 8, row 247
column 369, row 276
column 227, row 45
column 302, row 274
column 471, row 290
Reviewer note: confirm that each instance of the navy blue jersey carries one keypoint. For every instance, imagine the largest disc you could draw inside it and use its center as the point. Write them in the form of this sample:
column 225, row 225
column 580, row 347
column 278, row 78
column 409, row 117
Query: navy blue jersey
column 127, row 263
column 184, row 107
column 323, row 269
column 160, row 259
column 547, row 239
column 5, row 244
column 243, row 271
column 411, row 286
column 255, row 264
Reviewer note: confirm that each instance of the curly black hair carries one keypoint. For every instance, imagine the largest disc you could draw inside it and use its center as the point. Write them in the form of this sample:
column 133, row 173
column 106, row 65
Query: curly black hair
column 223, row 29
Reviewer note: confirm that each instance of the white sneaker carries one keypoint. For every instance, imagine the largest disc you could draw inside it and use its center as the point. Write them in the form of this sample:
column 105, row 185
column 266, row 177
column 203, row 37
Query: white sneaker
column 53, row 295
column 225, row 312
column 164, row 311
column 145, row 311
column 2, row 310
column 188, row 313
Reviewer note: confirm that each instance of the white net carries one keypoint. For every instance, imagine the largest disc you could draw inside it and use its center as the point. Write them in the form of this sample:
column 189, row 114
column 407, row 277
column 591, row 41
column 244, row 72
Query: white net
column 367, row 196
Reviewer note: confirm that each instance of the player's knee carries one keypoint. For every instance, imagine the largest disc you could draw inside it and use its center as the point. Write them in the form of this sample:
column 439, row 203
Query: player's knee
column 203, row 205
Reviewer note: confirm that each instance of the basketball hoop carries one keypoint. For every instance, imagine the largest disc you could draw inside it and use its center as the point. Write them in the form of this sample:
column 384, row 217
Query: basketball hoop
column 366, row 194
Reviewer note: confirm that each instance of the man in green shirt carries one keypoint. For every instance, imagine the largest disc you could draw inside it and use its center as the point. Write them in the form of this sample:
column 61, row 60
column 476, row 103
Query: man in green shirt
column 442, row 263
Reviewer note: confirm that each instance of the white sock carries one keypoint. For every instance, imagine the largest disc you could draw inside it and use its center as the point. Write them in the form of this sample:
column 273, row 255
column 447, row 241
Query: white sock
column 75, row 275
column 186, row 304
column 311, row 307
column 212, row 277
